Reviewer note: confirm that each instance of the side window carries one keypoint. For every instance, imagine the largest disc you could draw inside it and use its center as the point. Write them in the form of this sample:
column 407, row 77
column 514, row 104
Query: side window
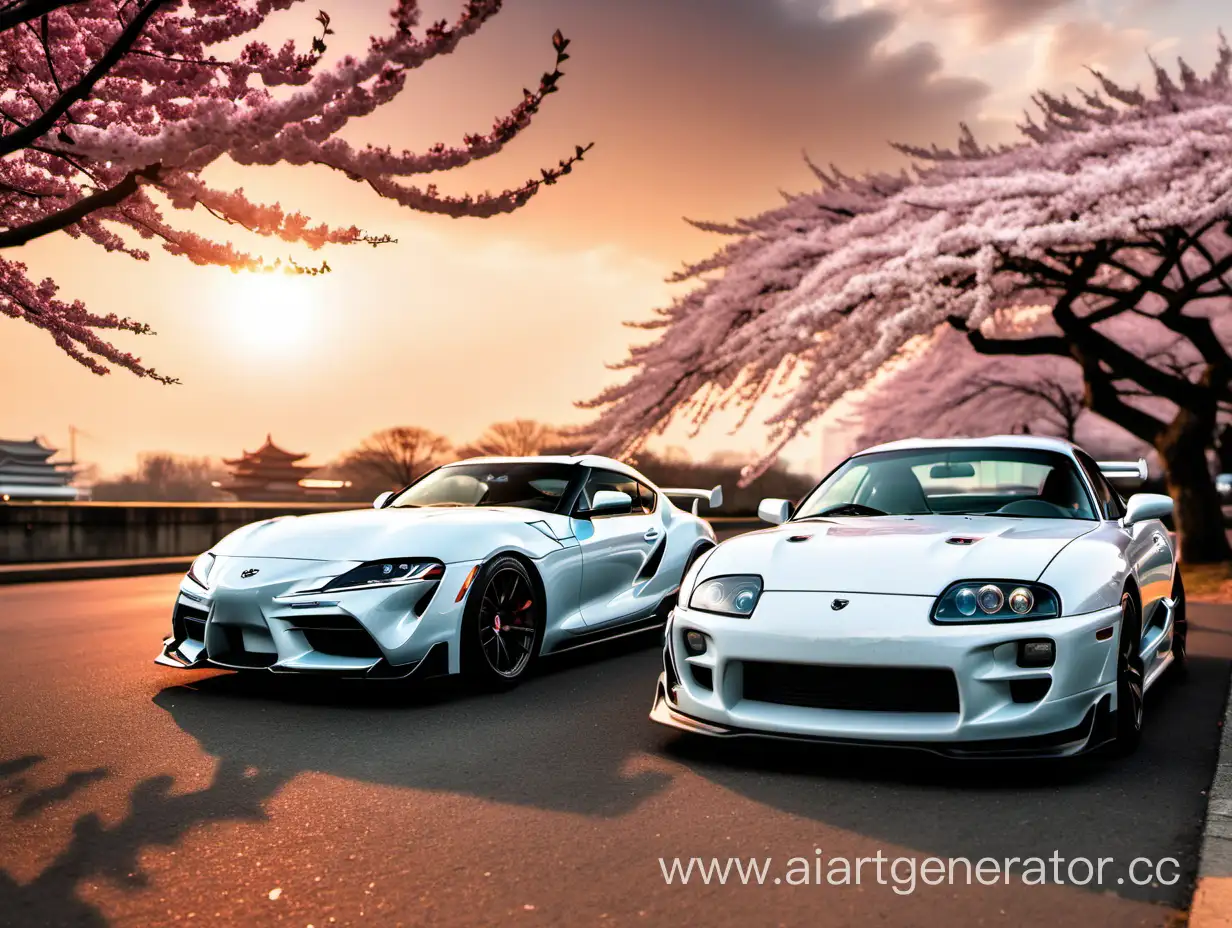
column 647, row 498
column 1110, row 504
column 610, row 480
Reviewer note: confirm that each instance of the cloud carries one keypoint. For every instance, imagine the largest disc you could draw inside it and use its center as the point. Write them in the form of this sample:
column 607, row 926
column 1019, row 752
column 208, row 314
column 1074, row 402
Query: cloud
column 1092, row 43
column 988, row 21
column 699, row 108
column 996, row 19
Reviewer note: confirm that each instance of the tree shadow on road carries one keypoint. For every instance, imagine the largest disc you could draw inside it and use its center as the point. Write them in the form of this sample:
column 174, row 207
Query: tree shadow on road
column 265, row 730
column 97, row 850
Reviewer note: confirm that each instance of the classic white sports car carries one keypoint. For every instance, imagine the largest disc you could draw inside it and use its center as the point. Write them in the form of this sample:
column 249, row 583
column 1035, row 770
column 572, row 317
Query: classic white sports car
column 990, row 597
column 479, row 566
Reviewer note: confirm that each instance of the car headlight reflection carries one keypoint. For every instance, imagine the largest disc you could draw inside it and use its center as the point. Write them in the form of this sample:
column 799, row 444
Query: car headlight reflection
column 390, row 572
column 735, row 596
column 995, row 601
column 199, row 570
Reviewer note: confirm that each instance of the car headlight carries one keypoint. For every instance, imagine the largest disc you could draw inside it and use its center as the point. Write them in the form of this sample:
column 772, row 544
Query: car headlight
column 736, row 595
column 387, row 573
column 199, row 570
column 996, row 601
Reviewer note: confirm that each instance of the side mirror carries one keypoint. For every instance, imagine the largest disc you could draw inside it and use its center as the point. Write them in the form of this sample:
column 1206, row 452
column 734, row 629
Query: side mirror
column 610, row 503
column 1145, row 506
column 774, row 511
column 380, row 501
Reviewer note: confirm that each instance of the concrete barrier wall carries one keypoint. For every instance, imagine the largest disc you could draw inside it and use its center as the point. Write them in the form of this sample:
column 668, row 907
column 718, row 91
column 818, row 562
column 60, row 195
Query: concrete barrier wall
column 46, row 532
column 52, row 532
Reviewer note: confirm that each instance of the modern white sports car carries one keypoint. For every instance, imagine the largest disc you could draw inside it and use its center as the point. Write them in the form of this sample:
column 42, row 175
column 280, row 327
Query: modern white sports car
column 990, row 597
column 479, row 566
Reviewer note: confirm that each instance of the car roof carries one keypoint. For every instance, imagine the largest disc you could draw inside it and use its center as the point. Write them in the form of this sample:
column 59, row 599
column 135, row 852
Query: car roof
column 1036, row 442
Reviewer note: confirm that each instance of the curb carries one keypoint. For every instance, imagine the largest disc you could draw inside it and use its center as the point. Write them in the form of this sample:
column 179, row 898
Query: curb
column 90, row 570
column 1212, row 901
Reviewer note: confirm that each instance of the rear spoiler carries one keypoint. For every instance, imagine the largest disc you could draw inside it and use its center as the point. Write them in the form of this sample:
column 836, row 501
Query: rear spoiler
column 713, row 498
column 1130, row 473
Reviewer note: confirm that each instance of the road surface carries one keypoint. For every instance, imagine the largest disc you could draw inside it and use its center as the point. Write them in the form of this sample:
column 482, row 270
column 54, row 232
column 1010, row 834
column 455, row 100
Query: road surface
column 135, row 795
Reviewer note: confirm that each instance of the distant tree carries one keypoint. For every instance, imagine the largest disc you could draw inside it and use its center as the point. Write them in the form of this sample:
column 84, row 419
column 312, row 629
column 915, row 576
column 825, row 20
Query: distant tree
column 394, row 457
column 517, row 438
column 1114, row 212
column 164, row 477
column 114, row 110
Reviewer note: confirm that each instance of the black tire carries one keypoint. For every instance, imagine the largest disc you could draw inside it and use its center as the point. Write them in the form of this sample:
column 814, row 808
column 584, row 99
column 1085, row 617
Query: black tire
column 502, row 625
column 1180, row 634
column 1129, row 711
column 697, row 552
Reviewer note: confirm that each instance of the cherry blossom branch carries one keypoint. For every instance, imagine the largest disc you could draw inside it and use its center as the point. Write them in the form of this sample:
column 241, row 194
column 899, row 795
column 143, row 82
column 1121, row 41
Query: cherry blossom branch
column 70, row 215
column 106, row 101
column 17, row 14
column 27, row 135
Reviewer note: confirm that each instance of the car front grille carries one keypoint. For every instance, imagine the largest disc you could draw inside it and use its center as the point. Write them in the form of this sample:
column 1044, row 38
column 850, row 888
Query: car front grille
column 188, row 622
column 231, row 651
column 862, row 689
column 337, row 635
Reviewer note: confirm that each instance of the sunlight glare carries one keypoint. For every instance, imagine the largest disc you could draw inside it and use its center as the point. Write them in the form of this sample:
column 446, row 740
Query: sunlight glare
column 273, row 312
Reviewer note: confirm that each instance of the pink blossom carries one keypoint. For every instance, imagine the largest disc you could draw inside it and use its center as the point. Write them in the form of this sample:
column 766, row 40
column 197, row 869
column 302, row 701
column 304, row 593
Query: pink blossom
column 105, row 102
column 1112, row 211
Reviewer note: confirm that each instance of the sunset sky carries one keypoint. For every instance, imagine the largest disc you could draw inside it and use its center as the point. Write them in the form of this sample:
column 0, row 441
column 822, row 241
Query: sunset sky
column 698, row 108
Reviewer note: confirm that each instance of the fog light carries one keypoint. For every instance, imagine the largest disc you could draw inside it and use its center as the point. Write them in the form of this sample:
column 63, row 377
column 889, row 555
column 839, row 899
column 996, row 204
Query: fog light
column 695, row 642
column 1036, row 653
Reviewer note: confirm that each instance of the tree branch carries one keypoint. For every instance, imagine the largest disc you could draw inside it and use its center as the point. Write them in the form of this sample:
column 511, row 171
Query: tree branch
column 1021, row 347
column 23, row 137
column 28, row 10
column 55, row 222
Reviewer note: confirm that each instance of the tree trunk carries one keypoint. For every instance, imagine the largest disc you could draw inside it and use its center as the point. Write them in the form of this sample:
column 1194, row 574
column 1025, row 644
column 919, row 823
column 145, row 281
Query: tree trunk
column 1197, row 514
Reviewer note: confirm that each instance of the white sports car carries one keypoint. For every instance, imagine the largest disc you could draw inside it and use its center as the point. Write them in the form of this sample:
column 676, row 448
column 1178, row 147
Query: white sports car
column 479, row 566
column 990, row 597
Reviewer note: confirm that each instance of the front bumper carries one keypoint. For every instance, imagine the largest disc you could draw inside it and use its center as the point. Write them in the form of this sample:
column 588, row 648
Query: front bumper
column 1001, row 708
column 279, row 624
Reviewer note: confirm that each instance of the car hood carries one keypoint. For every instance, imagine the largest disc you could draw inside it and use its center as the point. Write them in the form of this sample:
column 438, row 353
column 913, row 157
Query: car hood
column 370, row 534
column 907, row 555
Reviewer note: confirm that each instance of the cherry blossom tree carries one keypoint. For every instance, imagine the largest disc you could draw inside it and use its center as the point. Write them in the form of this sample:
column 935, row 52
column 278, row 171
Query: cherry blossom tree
column 1114, row 211
column 946, row 389
column 112, row 110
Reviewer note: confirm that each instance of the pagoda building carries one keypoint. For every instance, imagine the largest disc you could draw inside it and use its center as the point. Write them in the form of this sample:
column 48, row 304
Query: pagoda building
column 268, row 474
column 26, row 473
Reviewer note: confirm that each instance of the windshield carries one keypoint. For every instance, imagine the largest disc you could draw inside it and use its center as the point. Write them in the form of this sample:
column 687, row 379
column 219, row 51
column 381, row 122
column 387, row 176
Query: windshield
column 526, row 485
column 1020, row 482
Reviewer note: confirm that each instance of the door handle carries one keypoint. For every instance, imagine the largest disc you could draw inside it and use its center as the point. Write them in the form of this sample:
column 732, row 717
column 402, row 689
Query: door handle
column 651, row 534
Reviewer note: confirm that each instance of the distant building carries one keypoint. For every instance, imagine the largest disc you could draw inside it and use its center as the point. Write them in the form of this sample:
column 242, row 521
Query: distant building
column 270, row 474
column 26, row 473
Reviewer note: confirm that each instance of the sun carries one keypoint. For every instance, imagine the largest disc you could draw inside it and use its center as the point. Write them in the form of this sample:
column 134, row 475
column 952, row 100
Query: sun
column 270, row 311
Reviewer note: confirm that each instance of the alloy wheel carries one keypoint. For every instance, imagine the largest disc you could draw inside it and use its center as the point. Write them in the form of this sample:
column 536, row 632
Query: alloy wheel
column 507, row 617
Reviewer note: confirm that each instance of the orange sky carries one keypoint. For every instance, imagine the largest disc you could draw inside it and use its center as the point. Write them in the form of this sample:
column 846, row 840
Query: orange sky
column 697, row 107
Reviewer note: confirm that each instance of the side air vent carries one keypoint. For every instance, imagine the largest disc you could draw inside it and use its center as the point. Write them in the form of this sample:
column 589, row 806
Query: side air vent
column 651, row 567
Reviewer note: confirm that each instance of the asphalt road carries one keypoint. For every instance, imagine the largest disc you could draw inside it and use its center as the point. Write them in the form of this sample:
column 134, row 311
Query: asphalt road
column 135, row 795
